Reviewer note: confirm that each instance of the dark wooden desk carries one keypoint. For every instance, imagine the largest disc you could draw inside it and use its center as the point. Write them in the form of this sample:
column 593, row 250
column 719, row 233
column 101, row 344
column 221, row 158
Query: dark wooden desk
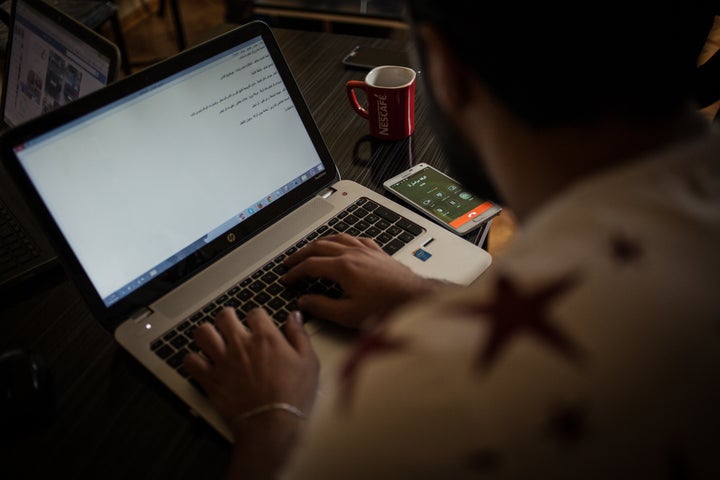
column 114, row 419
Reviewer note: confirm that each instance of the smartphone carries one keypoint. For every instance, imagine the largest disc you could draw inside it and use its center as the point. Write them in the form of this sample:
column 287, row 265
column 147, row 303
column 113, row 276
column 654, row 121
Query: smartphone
column 442, row 198
column 365, row 57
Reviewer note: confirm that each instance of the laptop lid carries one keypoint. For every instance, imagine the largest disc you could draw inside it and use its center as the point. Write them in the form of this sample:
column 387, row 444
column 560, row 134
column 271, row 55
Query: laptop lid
column 161, row 174
column 51, row 59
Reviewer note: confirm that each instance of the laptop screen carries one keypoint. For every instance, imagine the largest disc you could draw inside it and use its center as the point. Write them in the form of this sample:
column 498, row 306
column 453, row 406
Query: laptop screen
column 50, row 63
column 143, row 182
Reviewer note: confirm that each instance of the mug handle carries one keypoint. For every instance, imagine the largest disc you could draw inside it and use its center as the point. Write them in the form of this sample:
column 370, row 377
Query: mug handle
column 350, row 89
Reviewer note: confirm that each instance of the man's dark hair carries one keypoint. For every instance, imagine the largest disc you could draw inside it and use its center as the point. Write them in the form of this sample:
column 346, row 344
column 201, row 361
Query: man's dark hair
column 555, row 63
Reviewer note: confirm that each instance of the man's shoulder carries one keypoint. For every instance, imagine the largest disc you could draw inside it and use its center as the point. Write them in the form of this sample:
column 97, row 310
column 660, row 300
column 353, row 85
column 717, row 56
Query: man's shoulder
column 661, row 211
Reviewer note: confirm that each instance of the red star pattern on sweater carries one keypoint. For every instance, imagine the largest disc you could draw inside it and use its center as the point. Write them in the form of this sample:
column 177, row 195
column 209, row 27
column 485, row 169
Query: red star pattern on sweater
column 375, row 343
column 512, row 312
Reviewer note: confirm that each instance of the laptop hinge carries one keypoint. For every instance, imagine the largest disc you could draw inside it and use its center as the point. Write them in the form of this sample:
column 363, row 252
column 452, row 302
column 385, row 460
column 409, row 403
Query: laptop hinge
column 141, row 314
column 327, row 192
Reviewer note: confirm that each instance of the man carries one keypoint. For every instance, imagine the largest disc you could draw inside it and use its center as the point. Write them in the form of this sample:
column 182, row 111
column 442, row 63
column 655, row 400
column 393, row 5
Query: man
column 591, row 349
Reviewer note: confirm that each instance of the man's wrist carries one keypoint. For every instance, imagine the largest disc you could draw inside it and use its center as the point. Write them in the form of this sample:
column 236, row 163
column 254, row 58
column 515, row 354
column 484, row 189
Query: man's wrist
column 263, row 443
column 269, row 407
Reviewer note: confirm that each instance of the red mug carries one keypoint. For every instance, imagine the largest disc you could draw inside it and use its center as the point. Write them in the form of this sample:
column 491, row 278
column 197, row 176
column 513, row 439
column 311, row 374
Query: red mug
column 390, row 93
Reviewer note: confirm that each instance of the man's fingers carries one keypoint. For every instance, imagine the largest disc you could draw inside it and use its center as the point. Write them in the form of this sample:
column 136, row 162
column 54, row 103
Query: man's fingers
column 210, row 341
column 370, row 243
column 196, row 365
column 314, row 267
column 260, row 322
column 231, row 328
column 341, row 311
column 328, row 246
column 199, row 369
column 296, row 334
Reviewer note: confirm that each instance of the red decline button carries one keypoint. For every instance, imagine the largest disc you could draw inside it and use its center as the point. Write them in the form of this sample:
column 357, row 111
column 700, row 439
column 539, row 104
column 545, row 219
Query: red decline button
column 471, row 215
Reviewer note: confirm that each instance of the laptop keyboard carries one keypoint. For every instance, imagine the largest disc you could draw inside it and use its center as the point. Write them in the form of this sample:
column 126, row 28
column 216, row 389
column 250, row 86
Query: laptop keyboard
column 16, row 249
column 262, row 288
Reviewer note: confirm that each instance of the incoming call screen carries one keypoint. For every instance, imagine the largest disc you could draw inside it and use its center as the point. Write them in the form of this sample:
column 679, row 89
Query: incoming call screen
column 441, row 196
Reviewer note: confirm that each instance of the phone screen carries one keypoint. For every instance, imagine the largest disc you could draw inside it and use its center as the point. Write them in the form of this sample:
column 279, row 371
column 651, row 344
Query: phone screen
column 444, row 198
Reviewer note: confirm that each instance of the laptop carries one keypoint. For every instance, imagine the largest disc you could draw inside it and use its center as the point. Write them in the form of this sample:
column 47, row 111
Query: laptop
column 179, row 190
column 50, row 60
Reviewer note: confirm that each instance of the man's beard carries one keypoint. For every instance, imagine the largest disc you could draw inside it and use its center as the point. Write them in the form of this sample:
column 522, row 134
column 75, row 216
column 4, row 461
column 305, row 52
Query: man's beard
column 464, row 163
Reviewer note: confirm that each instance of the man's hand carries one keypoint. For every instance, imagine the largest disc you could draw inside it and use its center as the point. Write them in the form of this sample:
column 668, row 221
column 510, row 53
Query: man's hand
column 373, row 283
column 242, row 368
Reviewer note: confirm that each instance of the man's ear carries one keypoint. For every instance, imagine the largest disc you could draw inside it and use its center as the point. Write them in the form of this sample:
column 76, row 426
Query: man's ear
column 445, row 74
